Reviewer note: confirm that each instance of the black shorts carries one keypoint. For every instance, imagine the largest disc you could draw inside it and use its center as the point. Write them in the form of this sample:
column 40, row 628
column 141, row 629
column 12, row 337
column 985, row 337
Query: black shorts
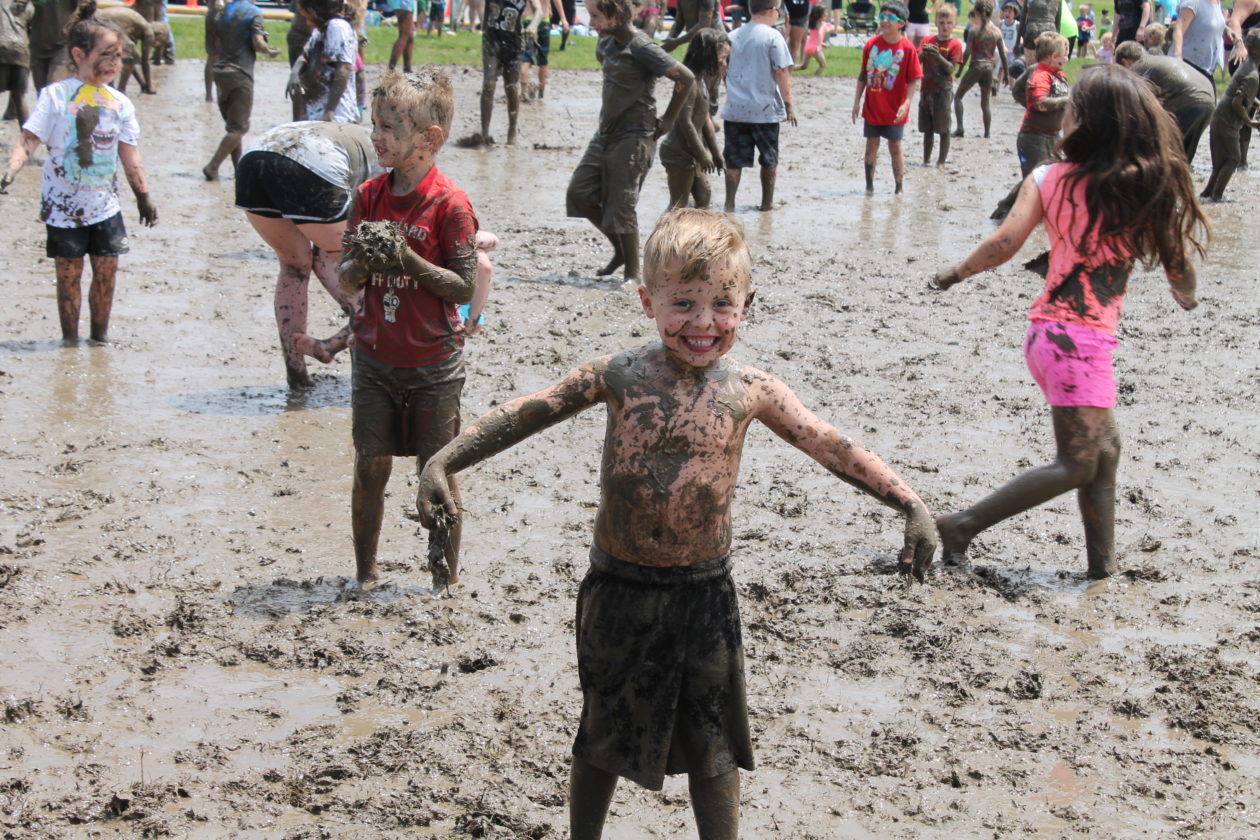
column 501, row 55
column 742, row 139
column 13, row 78
column 271, row 185
column 892, row 133
column 536, row 51
column 661, row 663
column 103, row 239
column 797, row 12
column 404, row 411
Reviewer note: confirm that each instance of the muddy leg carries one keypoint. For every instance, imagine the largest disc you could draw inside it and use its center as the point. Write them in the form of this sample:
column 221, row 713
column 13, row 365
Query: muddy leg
column 768, row 175
column 1222, row 177
column 700, row 190
column 69, row 296
column 958, row 110
column 940, row 161
column 618, row 258
column 291, row 303
column 1078, row 433
column 715, row 803
column 513, row 93
column 590, row 793
column 630, row 253
column 985, row 93
column 868, row 162
column 897, row 152
column 487, row 107
column 101, row 296
column 928, row 141
column 1097, row 502
column 732, row 187
column 367, row 507
column 209, row 78
column 229, row 145
column 680, row 182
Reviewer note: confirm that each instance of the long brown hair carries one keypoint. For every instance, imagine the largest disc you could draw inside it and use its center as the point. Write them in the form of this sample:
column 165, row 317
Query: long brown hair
column 1129, row 155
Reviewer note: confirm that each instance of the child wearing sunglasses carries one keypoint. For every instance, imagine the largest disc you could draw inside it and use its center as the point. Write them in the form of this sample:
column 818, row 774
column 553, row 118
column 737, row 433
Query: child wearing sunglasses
column 888, row 79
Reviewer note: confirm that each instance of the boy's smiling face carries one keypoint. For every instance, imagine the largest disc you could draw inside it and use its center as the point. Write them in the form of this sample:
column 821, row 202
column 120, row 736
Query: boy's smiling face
column 395, row 140
column 698, row 316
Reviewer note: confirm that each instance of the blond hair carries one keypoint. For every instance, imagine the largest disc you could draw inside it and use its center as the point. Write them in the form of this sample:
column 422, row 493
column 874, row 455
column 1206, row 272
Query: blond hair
column 696, row 239
column 425, row 97
column 1050, row 43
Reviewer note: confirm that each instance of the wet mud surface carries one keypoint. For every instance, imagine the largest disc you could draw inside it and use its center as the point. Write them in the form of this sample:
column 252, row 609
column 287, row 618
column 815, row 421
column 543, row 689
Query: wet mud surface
column 185, row 655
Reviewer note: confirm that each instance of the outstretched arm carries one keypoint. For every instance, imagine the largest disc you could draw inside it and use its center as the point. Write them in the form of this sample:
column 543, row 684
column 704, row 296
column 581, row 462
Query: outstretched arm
column 22, row 151
column 1004, row 242
column 503, row 428
column 851, row 462
column 704, row 18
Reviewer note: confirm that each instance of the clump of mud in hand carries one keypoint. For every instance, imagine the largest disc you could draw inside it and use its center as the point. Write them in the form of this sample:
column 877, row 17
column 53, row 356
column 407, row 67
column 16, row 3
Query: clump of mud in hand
column 439, row 569
column 377, row 244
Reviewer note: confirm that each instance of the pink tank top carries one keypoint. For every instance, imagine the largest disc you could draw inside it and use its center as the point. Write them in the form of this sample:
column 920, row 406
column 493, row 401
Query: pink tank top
column 1087, row 277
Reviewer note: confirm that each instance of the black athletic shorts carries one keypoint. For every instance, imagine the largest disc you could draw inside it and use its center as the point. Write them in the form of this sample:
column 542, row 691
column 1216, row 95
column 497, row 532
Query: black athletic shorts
column 103, row 239
column 271, row 185
column 743, row 139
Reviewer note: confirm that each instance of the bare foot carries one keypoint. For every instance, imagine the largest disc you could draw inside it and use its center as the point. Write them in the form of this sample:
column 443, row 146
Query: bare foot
column 69, row 341
column 210, row 174
column 474, row 141
column 367, row 574
column 897, row 190
column 298, row 379
column 312, row 347
column 954, row 542
column 614, row 264
column 511, row 141
column 729, row 207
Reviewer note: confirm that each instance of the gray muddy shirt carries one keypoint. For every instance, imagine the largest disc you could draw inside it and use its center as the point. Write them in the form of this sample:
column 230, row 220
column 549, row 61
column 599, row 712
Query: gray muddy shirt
column 630, row 73
column 1177, row 84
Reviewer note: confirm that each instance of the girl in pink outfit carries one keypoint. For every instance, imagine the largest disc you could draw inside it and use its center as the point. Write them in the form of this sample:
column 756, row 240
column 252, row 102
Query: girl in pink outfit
column 819, row 28
column 1119, row 194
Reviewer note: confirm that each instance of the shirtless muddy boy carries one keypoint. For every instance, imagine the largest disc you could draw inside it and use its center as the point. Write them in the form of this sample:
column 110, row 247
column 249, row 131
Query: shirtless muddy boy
column 659, row 580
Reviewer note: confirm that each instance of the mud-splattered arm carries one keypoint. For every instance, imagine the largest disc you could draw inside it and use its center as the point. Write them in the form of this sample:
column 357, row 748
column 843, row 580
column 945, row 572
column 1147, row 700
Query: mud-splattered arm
column 503, row 428
column 684, row 87
column 1003, row 243
column 847, row 459
column 22, row 151
column 133, row 167
column 1182, row 283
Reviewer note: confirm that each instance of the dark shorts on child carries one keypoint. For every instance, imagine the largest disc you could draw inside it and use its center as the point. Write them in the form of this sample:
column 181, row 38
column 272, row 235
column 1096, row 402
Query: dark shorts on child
column 404, row 411
column 797, row 12
column 107, row 238
column 537, row 51
column 742, row 139
column 661, row 663
column 271, row 185
column 501, row 55
column 936, row 111
column 607, row 181
column 1033, row 148
column 236, row 98
column 888, row 132
column 13, row 78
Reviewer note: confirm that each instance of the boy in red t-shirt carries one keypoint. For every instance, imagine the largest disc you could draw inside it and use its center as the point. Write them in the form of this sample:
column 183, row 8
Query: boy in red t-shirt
column 941, row 54
column 889, row 77
column 408, row 362
column 1045, row 100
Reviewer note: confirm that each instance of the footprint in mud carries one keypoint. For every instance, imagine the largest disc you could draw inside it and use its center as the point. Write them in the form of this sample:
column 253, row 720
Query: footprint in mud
column 285, row 596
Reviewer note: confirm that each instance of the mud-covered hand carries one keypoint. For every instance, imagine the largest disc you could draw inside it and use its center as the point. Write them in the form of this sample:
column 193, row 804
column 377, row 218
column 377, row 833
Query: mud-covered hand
column 719, row 164
column 294, row 86
column 1183, row 288
column 352, row 275
column 945, row 278
column 148, row 210
column 920, row 544
column 5, row 180
column 791, row 114
column 434, row 494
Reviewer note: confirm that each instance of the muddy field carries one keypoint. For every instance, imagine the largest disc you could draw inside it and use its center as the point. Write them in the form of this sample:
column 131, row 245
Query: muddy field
column 184, row 655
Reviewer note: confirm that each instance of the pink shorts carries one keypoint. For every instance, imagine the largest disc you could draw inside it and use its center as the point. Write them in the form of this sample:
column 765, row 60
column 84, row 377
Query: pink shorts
column 1071, row 363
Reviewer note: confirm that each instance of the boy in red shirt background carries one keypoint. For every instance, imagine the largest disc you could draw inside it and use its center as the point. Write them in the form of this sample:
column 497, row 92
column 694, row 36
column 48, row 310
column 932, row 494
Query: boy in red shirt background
column 940, row 54
column 889, row 79
column 1046, row 97
column 408, row 361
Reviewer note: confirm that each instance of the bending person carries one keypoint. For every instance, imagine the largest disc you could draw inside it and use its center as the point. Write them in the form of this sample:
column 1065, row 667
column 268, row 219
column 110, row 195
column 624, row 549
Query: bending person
column 295, row 189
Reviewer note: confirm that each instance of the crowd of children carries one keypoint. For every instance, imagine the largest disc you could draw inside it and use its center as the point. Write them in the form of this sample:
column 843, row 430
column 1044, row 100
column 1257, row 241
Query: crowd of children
column 1108, row 196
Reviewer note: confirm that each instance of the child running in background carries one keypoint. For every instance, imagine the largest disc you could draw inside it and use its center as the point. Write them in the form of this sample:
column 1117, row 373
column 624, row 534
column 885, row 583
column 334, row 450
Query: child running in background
column 473, row 311
column 940, row 54
column 659, row 649
column 1233, row 113
column 819, row 28
column 89, row 128
column 1121, row 193
column 692, row 148
column 1045, row 97
column 886, row 85
column 986, row 51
